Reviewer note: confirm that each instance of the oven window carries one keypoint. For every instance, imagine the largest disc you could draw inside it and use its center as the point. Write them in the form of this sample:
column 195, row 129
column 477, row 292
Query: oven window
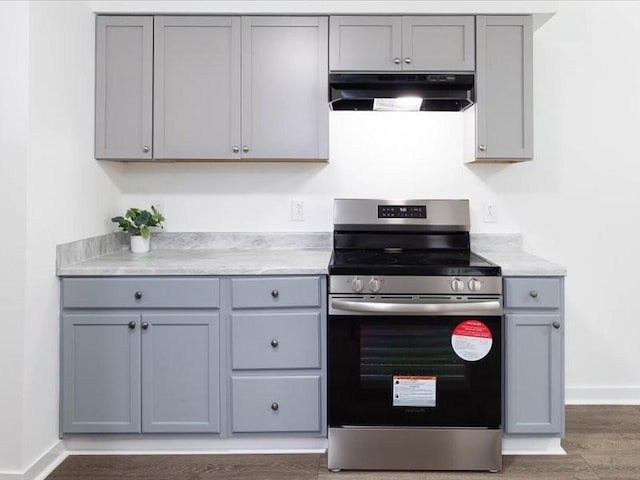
column 368, row 354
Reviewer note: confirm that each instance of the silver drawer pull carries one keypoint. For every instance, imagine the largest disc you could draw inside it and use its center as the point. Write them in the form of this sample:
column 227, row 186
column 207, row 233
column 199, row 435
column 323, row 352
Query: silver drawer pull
column 274, row 343
column 138, row 295
column 533, row 294
column 275, row 406
column 275, row 293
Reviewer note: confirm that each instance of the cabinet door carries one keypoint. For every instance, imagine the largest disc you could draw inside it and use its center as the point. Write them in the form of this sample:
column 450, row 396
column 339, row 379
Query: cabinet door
column 504, row 88
column 363, row 43
column 180, row 373
column 100, row 373
column 285, row 111
column 124, row 63
column 197, row 87
column 438, row 43
column 534, row 398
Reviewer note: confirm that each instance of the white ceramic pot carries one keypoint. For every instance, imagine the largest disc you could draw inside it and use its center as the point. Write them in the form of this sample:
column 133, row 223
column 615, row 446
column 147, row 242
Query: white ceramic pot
column 139, row 244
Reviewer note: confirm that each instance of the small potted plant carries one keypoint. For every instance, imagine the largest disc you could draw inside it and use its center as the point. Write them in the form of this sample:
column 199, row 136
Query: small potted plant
column 138, row 223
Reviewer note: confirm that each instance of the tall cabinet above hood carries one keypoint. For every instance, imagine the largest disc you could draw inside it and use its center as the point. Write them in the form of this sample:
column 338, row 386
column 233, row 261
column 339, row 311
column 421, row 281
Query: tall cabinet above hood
column 403, row 91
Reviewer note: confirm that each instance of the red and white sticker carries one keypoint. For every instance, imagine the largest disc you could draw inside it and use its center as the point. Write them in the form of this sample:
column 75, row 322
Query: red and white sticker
column 471, row 340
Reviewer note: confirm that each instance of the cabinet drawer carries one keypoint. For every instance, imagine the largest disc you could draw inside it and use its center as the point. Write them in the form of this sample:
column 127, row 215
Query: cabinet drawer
column 275, row 340
column 276, row 404
column 275, row 292
column 532, row 292
column 140, row 292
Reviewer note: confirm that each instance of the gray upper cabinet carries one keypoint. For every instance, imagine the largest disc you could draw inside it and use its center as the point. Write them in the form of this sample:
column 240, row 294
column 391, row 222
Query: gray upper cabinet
column 534, row 355
column 410, row 43
column 124, row 64
column 104, row 347
column 285, row 112
column 504, row 88
column 362, row 43
column 438, row 43
column 180, row 373
column 197, row 87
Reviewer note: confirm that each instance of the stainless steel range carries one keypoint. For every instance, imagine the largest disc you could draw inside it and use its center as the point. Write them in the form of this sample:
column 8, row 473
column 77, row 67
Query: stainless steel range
column 414, row 340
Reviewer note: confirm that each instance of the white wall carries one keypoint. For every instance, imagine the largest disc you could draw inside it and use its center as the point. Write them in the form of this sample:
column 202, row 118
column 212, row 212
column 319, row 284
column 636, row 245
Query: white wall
column 14, row 45
column 53, row 192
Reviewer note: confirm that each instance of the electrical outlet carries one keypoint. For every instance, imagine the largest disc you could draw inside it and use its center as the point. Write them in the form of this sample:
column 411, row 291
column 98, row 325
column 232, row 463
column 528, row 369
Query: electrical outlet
column 490, row 212
column 297, row 211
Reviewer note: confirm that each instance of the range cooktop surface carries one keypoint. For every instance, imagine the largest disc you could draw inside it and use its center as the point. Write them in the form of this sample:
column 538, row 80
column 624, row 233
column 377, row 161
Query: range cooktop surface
column 410, row 262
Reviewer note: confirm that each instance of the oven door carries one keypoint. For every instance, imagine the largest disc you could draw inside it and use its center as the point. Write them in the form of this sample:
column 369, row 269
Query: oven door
column 415, row 361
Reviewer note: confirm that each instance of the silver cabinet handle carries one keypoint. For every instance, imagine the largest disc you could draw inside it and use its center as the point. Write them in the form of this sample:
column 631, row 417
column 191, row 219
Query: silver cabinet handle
column 274, row 343
column 245, row 149
column 145, row 149
column 482, row 148
column 275, row 293
column 397, row 60
column 492, row 306
column 138, row 295
column 144, row 325
column 236, row 149
column 533, row 294
column 407, row 60
column 556, row 325
column 132, row 325
column 275, row 406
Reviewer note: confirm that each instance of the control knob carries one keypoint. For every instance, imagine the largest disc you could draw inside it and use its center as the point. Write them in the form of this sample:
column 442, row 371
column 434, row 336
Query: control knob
column 474, row 285
column 457, row 285
column 357, row 284
column 375, row 285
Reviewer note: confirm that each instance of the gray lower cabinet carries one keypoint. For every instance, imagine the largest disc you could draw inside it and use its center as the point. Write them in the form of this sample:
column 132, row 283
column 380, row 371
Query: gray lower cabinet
column 277, row 361
column 100, row 373
column 140, row 354
column 227, row 356
column 534, row 355
column 124, row 84
column 504, row 89
column 408, row 43
column 180, row 373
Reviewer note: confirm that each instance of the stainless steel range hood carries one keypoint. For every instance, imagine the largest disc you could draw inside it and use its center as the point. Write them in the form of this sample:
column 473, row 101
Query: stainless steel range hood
column 450, row 92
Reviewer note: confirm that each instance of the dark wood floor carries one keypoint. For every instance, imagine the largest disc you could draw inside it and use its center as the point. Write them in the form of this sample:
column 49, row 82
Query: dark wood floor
column 602, row 442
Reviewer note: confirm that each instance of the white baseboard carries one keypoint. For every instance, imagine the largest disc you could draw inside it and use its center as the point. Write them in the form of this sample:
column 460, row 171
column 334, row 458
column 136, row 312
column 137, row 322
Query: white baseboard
column 531, row 445
column 106, row 445
column 602, row 395
column 42, row 467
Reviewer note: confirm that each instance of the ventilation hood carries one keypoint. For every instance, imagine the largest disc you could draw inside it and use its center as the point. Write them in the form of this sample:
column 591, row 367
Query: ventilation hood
column 445, row 92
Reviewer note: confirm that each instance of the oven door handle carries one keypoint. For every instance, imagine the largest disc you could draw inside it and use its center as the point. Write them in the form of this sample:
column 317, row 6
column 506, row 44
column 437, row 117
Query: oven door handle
column 478, row 308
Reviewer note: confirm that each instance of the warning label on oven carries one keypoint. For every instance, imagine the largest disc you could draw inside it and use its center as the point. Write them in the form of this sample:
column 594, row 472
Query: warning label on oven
column 411, row 391
column 471, row 340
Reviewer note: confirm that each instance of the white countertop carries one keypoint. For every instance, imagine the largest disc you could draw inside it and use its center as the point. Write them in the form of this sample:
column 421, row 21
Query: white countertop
column 204, row 262
column 258, row 254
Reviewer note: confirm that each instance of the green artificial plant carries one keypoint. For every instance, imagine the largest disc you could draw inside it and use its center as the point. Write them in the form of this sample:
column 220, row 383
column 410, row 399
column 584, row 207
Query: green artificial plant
column 139, row 222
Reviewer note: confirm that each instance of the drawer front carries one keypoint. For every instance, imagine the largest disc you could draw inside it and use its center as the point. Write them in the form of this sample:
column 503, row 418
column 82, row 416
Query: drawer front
column 275, row 340
column 276, row 404
column 275, row 292
column 139, row 292
column 532, row 292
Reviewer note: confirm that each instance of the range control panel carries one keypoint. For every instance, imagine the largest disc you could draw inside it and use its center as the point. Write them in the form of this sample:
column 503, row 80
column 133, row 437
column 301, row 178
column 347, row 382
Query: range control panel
column 402, row 211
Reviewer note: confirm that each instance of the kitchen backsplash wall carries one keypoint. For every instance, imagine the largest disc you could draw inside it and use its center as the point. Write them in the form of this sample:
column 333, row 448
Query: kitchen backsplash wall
column 372, row 154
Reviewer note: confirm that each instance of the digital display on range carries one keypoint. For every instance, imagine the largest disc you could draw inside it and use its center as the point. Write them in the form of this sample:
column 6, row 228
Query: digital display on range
column 402, row 211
